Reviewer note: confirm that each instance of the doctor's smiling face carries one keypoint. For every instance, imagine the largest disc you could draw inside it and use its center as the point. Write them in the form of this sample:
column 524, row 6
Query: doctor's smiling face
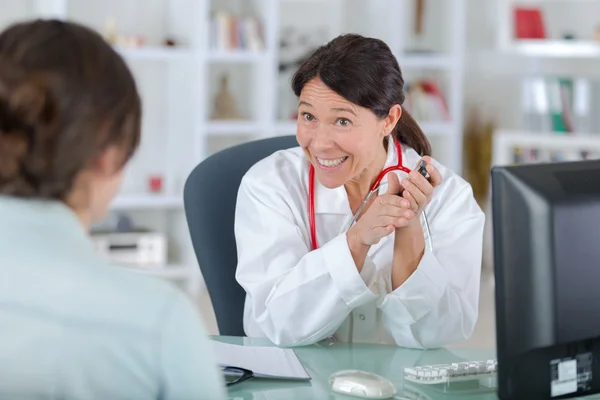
column 350, row 94
column 342, row 140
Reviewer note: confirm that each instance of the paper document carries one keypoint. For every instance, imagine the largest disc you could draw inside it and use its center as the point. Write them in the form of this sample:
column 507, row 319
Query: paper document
column 264, row 362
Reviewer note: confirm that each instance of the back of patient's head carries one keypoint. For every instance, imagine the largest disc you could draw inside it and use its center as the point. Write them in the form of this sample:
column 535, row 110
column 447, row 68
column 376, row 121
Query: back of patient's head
column 69, row 115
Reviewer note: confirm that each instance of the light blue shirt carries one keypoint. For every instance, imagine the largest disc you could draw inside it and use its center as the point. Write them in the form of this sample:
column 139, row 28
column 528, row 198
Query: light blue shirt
column 72, row 326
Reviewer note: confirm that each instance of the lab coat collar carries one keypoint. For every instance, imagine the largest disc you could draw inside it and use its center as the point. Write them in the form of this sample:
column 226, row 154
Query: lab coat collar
column 335, row 201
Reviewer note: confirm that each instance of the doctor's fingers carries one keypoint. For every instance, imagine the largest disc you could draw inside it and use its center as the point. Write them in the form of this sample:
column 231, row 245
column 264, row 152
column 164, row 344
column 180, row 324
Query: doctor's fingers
column 397, row 222
column 435, row 177
column 394, row 200
column 418, row 196
column 390, row 210
column 414, row 206
column 380, row 232
column 420, row 182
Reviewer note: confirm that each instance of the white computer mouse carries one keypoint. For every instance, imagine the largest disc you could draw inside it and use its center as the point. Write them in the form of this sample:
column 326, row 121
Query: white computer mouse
column 362, row 384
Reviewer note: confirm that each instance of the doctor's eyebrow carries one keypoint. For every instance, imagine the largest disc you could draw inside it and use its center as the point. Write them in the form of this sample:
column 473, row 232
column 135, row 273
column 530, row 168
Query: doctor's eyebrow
column 304, row 103
column 344, row 109
column 338, row 109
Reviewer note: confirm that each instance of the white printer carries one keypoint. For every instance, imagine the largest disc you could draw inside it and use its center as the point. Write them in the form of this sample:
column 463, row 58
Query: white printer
column 137, row 247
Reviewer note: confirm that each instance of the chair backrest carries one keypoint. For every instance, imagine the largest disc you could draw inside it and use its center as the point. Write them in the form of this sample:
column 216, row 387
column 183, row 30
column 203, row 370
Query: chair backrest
column 210, row 196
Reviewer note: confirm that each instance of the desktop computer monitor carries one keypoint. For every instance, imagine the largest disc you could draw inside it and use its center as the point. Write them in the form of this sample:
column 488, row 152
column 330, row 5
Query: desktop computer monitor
column 546, row 234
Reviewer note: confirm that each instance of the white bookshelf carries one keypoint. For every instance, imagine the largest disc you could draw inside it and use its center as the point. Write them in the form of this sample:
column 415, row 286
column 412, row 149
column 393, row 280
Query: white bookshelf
column 428, row 61
column 547, row 59
column 555, row 48
column 506, row 141
column 235, row 56
column 558, row 18
column 155, row 53
column 129, row 202
column 178, row 84
column 445, row 33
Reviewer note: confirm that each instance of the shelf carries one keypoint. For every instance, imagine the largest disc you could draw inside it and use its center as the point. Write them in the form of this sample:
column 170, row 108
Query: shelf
column 236, row 56
column 286, row 128
column 555, row 48
column 433, row 128
column 234, row 128
column 539, row 2
column 556, row 141
column 146, row 201
column 428, row 61
column 154, row 53
column 166, row 272
column 506, row 141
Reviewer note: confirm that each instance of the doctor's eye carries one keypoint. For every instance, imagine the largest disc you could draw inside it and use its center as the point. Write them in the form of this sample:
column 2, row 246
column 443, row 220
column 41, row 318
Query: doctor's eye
column 308, row 117
column 344, row 122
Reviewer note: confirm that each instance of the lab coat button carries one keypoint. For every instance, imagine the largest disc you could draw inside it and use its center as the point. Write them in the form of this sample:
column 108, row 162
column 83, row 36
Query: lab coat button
column 362, row 317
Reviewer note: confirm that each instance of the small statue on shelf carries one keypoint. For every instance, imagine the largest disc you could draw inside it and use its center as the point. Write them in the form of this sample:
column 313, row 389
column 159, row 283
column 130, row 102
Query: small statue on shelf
column 224, row 103
column 113, row 37
column 111, row 33
column 597, row 34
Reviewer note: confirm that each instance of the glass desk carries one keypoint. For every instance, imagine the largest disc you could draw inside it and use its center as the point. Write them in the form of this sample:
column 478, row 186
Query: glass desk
column 322, row 360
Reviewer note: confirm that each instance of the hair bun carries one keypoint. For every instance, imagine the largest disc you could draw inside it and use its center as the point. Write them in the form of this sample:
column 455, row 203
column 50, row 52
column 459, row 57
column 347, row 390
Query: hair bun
column 27, row 114
column 29, row 103
column 25, row 98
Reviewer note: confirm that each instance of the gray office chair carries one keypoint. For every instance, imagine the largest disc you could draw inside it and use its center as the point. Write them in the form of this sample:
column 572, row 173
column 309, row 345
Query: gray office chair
column 209, row 197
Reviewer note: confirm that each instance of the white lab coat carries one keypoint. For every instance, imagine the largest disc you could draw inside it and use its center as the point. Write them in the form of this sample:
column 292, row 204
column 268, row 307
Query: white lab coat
column 296, row 296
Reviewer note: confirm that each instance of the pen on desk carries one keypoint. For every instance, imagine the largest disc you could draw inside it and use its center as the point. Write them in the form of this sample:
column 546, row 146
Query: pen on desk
column 235, row 375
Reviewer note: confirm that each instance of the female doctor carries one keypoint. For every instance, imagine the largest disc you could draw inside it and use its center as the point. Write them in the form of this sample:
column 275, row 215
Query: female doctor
column 406, row 270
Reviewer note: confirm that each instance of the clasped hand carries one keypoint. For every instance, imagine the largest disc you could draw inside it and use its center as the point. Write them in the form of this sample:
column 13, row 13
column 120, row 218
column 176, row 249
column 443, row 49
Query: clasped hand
column 399, row 207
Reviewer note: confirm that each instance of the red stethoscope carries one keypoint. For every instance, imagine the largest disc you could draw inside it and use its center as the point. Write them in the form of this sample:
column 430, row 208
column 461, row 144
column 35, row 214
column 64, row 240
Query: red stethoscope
column 374, row 188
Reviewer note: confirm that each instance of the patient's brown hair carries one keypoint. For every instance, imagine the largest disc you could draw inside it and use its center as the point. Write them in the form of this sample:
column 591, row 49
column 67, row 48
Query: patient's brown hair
column 65, row 97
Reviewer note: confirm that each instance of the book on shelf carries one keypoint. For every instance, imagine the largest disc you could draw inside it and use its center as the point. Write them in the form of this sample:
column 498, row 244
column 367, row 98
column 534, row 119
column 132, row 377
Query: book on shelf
column 528, row 23
column 230, row 32
column 425, row 101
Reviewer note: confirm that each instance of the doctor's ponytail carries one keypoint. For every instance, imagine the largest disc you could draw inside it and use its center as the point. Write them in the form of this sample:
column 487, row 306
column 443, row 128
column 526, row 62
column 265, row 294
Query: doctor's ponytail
column 365, row 72
column 408, row 131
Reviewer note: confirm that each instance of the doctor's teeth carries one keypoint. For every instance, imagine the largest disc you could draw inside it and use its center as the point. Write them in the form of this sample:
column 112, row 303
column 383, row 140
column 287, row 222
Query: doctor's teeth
column 331, row 163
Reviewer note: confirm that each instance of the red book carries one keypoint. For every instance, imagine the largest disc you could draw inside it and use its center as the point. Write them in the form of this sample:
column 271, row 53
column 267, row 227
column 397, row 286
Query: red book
column 528, row 23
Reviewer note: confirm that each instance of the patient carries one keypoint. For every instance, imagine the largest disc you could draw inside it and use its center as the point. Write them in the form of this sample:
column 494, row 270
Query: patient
column 73, row 326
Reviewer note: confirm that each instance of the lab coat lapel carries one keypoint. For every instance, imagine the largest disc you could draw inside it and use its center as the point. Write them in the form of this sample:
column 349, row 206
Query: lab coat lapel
column 331, row 201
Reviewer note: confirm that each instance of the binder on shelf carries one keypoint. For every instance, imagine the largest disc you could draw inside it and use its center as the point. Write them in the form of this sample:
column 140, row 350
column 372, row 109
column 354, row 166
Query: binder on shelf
column 561, row 105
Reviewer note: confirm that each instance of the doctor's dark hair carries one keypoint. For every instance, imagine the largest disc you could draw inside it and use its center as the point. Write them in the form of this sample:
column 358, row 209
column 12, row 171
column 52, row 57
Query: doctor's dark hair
column 365, row 72
column 65, row 97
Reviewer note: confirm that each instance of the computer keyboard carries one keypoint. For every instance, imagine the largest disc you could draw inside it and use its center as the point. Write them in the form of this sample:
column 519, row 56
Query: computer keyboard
column 445, row 373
